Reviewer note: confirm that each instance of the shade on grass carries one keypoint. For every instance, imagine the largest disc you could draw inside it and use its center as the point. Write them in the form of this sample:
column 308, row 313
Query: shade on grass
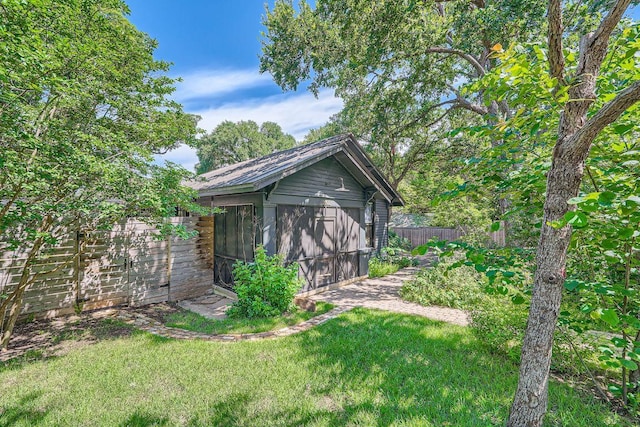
column 195, row 322
column 366, row 368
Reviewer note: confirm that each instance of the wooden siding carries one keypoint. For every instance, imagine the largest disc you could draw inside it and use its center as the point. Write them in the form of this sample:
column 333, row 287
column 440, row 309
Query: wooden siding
column 124, row 265
column 327, row 179
column 381, row 222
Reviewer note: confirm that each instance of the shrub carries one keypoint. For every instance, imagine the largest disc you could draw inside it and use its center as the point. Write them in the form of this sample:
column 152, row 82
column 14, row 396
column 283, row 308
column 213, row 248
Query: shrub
column 398, row 256
column 264, row 287
column 500, row 325
column 379, row 267
column 496, row 320
column 457, row 288
column 396, row 241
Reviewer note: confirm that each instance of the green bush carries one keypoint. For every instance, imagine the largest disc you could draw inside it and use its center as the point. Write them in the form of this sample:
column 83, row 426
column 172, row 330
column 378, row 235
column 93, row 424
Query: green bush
column 264, row 287
column 379, row 268
column 495, row 319
column 396, row 241
column 457, row 288
column 500, row 325
column 398, row 256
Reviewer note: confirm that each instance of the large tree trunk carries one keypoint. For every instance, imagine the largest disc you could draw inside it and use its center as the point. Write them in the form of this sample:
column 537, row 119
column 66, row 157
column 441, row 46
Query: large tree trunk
column 530, row 402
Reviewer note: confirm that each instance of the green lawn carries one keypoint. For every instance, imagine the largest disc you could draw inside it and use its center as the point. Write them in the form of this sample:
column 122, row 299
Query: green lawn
column 194, row 322
column 363, row 368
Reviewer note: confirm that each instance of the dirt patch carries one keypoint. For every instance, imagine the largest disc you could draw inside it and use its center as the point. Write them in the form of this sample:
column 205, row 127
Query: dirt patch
column 56, row 337
column 158, row 312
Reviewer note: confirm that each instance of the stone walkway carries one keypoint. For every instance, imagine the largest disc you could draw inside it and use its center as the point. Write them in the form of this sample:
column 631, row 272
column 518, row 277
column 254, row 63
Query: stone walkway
column 380, row 293
column 384, row 293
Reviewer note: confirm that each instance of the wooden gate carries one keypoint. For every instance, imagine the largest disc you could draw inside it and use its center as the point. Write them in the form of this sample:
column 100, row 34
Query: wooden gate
column 322, row 240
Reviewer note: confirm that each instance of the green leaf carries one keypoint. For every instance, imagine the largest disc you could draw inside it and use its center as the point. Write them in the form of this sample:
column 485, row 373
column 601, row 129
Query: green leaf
column 534, row 128
column 629, row 364
column 610, row 316
column 615, row 390
column 570, row 285
column 606, row 198
column 633, row 199
column 625, row 233
column 495, row 226
column 622, row 129
column 517, row 299
column 420, row 250
column 619, row 342
column 480, row 268
column 576, row 219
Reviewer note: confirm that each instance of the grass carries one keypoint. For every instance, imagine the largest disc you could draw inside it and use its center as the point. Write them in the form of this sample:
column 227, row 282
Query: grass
column 194, row 322
column 363, row 368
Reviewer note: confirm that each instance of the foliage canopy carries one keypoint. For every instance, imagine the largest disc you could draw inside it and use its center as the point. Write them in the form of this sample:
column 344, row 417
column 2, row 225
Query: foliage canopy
column 83, row 108
column 233, row 142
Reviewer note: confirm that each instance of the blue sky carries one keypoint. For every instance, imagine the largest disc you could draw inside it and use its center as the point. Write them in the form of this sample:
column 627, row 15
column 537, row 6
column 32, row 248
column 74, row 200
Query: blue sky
column 214, row 47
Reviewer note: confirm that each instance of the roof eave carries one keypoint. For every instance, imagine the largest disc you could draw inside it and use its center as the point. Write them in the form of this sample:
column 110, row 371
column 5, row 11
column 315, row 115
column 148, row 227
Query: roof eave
column 394, row 198
column 221, row 191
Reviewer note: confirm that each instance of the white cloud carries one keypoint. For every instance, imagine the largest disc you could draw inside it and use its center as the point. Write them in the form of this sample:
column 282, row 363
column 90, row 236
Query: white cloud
column 213, row 83
column 183, row 155
column 296, row 113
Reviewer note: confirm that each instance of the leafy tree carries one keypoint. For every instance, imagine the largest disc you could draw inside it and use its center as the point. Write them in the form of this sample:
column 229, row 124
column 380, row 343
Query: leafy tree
column 575, row 112
column 83, row 108
column 232, row 142
column 583, row 116
column 397, row 64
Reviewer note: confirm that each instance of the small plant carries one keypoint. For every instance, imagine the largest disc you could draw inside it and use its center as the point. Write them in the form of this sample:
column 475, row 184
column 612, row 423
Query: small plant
column 443, row 286
column 78, row 306
column 265, row 287
column 396, row 241
column 379, row 267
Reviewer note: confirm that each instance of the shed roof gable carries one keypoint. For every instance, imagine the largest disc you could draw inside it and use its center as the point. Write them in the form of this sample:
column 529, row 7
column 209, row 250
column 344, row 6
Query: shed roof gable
column 256, row 174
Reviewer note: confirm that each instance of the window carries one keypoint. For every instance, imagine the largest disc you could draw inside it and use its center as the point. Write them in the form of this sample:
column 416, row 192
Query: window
column 368, row 224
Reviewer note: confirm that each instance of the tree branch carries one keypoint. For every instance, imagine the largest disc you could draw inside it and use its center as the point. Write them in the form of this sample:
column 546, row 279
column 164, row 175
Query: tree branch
column 601, row 35
column 476, row 108
column 608, row 114
column 596, row 43
column 469, row 58
column 556, row 57
column 421, row 116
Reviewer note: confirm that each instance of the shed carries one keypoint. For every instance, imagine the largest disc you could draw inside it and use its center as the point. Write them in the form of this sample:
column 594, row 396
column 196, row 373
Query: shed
column 323, row 205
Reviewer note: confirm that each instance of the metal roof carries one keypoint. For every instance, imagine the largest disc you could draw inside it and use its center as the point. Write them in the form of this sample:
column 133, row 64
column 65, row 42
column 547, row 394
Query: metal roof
column 255, row 174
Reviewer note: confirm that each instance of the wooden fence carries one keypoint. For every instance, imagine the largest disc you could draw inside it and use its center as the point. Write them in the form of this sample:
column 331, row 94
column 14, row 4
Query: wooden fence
column 421, row 235
column 125, row 265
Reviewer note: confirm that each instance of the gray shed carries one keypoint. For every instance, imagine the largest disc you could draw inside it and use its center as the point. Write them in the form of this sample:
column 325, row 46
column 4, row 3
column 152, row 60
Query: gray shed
column 323, row 205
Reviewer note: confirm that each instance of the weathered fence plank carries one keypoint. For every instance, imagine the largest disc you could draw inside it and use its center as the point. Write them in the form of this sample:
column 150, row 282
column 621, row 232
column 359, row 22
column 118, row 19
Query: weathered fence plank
column 421, row 235
column 125, row 265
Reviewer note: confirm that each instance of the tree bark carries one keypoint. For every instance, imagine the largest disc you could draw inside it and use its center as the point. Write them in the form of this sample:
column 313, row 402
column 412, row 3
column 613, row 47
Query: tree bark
column 530, row 402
